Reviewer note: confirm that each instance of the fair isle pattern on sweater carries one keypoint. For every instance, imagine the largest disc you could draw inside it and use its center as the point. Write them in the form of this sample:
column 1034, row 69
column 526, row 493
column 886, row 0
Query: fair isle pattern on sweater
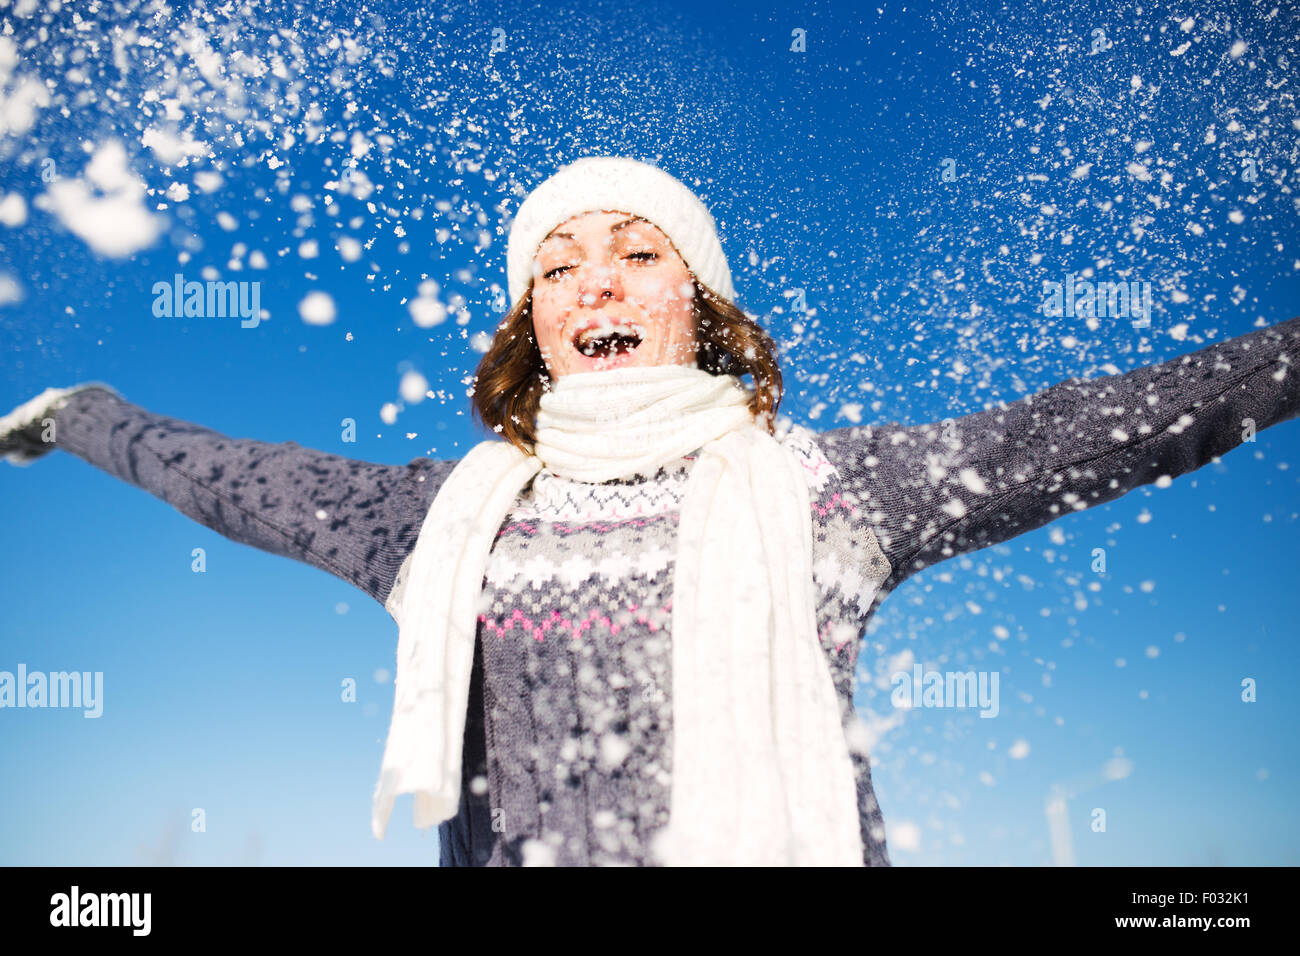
column 577, row 597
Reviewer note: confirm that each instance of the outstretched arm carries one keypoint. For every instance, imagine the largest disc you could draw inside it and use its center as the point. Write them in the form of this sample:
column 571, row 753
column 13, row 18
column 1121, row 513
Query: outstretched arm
column 352, row 518
column 934, row 491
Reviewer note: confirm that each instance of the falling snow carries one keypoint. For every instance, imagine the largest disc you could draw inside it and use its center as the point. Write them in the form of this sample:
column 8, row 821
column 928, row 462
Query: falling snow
column 321, row 148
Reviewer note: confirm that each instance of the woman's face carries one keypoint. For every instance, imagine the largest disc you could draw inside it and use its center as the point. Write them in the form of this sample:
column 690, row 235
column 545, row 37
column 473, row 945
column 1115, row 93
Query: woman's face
column 612, row 285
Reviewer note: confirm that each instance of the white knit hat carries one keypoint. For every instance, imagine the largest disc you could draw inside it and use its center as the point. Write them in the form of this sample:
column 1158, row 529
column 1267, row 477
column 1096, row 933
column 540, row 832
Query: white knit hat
column 618, row 184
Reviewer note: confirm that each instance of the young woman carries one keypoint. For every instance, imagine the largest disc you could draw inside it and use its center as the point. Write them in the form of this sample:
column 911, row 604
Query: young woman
column 628, row 631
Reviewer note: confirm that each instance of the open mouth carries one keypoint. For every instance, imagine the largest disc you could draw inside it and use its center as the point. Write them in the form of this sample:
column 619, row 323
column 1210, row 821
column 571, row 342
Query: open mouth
column 608, row 339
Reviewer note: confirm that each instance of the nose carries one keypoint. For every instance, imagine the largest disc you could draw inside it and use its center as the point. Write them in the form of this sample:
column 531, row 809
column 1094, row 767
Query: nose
column 598, row 283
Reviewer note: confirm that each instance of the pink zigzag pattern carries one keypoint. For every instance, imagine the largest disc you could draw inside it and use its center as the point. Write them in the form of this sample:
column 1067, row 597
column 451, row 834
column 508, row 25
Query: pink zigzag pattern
column 822, row 636
column 836, row 500
column 576, row 628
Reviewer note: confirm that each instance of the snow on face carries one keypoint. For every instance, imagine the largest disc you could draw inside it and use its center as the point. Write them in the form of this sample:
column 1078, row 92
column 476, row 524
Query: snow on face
column 619, row 272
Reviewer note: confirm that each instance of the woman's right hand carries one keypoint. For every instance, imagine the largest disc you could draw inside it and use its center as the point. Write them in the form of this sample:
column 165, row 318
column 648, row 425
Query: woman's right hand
column 27, row 432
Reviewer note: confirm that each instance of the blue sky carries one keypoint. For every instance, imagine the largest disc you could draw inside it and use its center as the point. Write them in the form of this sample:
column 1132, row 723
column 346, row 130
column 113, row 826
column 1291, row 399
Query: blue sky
column 1123, row 153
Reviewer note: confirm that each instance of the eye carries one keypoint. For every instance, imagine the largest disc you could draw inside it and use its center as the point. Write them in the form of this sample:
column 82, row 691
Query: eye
column 648, row 257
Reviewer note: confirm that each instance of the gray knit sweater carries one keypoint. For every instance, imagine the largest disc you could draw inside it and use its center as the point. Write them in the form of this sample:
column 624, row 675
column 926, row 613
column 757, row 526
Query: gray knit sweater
column 567, row 755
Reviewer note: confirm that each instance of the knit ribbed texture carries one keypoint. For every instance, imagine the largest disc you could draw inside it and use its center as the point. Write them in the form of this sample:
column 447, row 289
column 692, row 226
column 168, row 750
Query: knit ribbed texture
column 352, row 518
column 618, row 184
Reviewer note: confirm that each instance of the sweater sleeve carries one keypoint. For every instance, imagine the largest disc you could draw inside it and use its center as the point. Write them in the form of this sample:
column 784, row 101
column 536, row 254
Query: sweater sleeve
column 354, row 519
column 934, row 491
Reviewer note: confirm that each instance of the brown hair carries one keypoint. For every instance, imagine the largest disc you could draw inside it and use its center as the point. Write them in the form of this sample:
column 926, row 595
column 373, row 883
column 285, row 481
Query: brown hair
column 512, row 377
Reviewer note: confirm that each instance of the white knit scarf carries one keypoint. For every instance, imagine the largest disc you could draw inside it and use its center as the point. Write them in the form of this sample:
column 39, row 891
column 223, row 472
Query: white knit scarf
column 761, row 773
